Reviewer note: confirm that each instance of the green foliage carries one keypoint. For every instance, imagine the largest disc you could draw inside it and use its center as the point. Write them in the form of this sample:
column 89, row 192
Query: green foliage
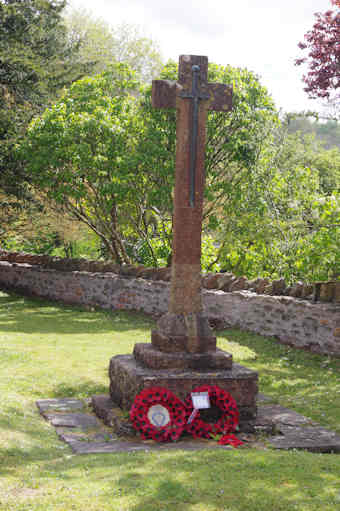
column 155, row 249
column 327, row 163
column 80, row 152
column 210, row 254
column 110, row 159
column 36, row 60
column 318, row 256
column 32, row 39
column 319, row 145
column 83, row 245
column 39, row 228
column 44, row 243
column 285, row 225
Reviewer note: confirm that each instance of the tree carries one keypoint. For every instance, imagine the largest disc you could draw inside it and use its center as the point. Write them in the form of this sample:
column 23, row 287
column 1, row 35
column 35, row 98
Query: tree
column 110, row 157
column 285, row 225
column 80, row 152
column 101, row 44
column 323, row 60
column 36, row 60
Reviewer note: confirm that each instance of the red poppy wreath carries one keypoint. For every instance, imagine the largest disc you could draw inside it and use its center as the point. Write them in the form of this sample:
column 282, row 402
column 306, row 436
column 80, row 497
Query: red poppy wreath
column 220, row 399
column 158, row 414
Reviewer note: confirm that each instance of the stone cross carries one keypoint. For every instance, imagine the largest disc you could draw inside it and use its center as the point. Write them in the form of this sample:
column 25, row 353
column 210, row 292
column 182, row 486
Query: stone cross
column 184, row 328
column 182, row 354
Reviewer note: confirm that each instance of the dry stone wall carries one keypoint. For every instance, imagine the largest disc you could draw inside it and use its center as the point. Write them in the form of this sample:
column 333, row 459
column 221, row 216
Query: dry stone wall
column 294, row 321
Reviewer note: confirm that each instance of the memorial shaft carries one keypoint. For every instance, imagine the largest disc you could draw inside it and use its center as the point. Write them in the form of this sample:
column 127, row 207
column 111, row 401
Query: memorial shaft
column 184, row 327
column 185, row 293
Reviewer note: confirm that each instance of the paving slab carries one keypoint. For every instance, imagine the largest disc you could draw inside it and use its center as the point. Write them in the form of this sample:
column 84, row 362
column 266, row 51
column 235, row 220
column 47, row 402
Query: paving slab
column 96, row 435
column 313, row 439
column 73, row 420
column 281, row 415
column 60, row 405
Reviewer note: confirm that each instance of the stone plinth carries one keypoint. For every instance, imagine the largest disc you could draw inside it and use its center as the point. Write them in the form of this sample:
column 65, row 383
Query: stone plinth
column 128, row 378
column 146, row 355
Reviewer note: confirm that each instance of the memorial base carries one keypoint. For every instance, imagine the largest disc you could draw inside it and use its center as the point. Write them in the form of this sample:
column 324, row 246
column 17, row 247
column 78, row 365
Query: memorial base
column 128, row 378
column 146, row 355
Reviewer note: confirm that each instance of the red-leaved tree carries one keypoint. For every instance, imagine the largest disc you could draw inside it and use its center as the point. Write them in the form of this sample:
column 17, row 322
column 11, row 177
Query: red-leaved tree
column 323, row 59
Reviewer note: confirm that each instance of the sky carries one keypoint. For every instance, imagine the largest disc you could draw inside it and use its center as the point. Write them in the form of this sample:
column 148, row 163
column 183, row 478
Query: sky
column 260, row 35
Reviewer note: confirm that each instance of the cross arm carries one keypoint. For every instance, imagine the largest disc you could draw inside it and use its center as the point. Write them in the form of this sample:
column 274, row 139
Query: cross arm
column 221, row 97
column 164, row 93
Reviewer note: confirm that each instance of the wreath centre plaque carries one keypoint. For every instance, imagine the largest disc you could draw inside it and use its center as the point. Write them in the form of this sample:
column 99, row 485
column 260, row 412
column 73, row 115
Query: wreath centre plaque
column 159, row 416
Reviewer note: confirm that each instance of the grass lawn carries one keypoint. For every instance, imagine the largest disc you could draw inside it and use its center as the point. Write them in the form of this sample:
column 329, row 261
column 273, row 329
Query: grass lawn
column 48, row 350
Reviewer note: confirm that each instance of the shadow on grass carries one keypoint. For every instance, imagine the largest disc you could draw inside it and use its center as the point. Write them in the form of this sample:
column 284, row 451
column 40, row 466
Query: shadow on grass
column 226, row 481
column 30, row 315
column 15, row 457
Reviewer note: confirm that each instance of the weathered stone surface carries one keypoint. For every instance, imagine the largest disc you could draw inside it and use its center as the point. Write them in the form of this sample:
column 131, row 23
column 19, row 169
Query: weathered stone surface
column 307, row 291
column 314, row 439
column 296, row 290
column 278, row 287
column 73, row 420
column 185, row 289
column 336, row 297
column 99, row 434
column 327, row 291
column 60, row 405
column 127, row 269
column 112, row 416
column 162, row 274
column 211, row 280
column 189, row 333
column 280, row 415
column 128, row 378
column 79, row 447
column 146, row 354
column 268, row 289
column 238, row 284
column 295, row 431
column 252, row 285
column 225, row 281
column 261, row 285
column 263, row 399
